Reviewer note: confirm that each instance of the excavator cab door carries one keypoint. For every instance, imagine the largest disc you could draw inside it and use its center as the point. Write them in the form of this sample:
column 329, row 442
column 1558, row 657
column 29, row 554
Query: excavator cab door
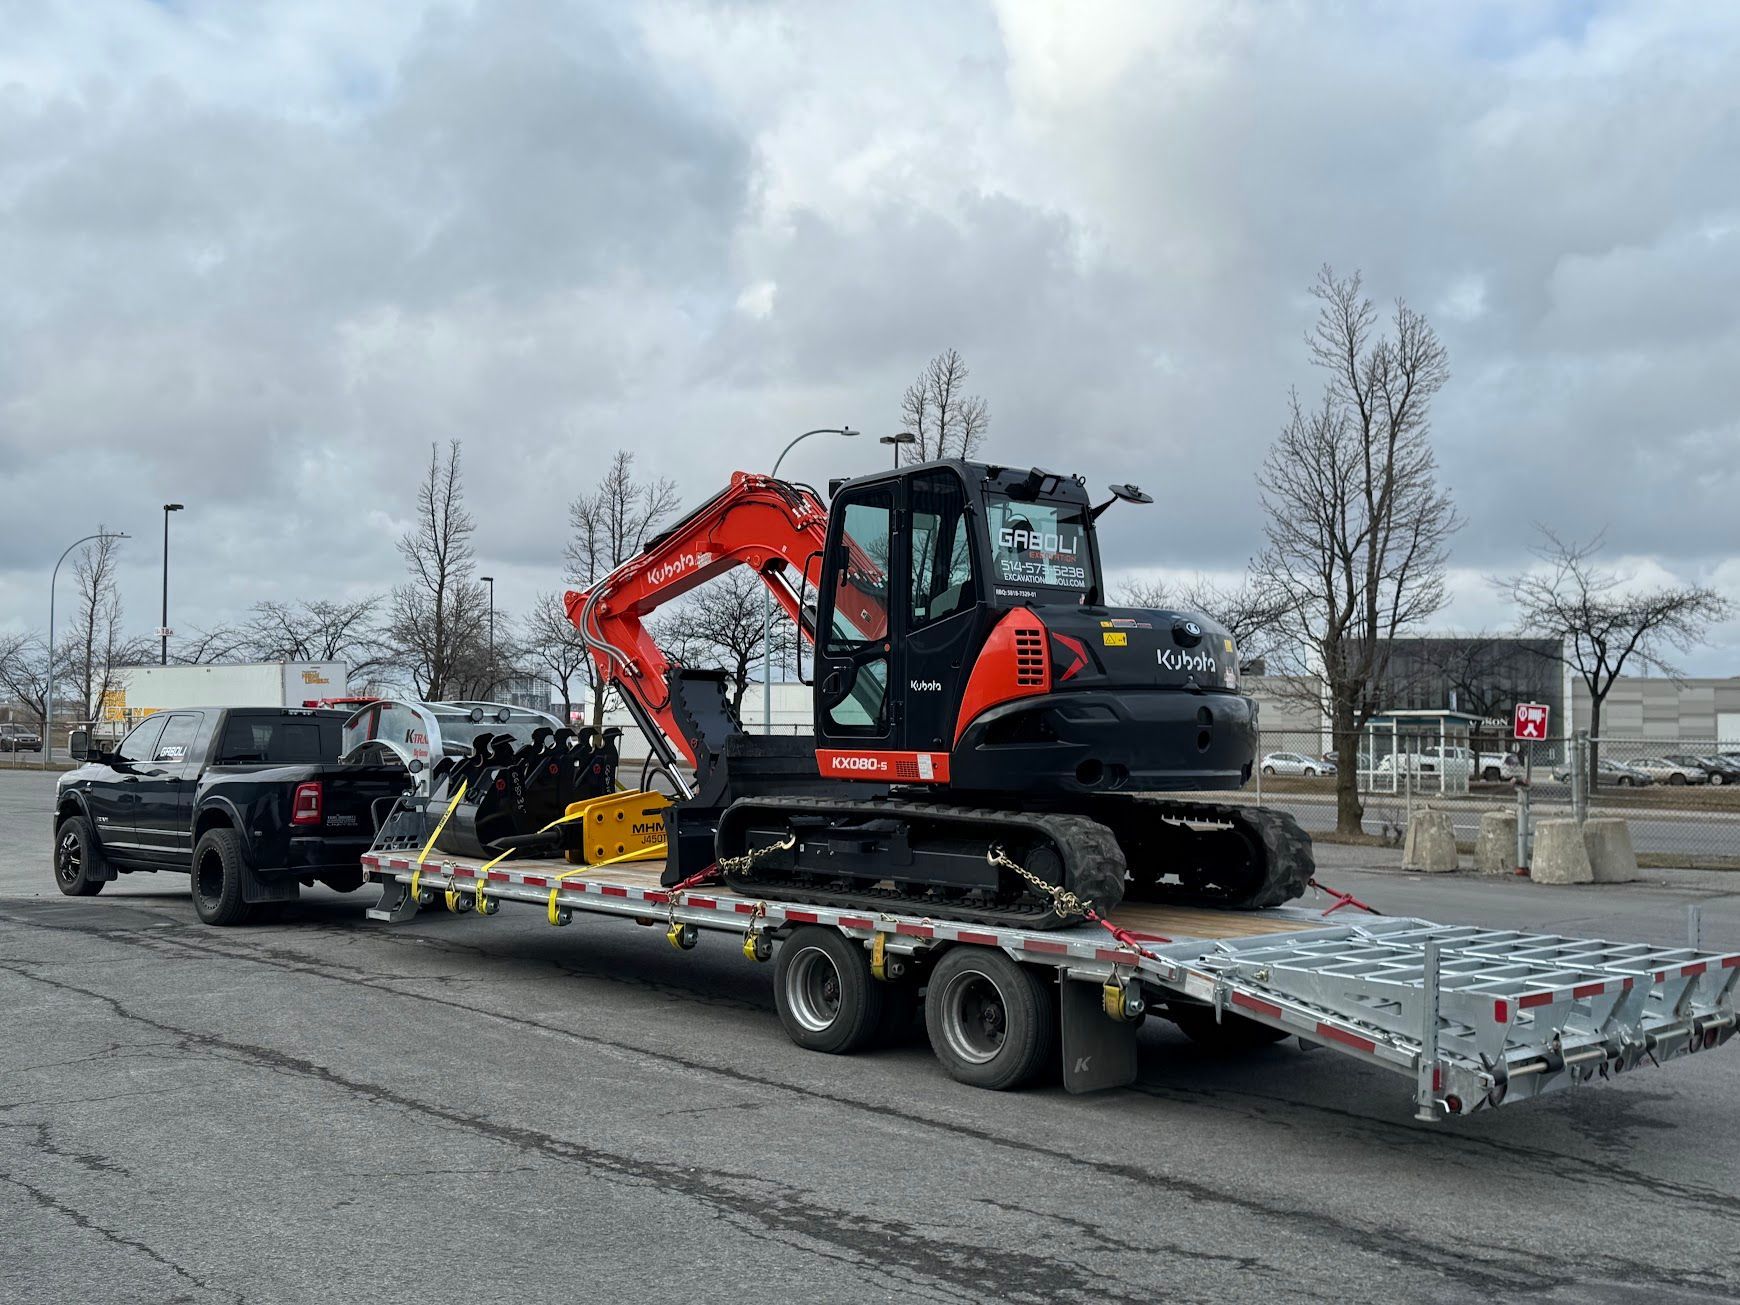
column 901, row 614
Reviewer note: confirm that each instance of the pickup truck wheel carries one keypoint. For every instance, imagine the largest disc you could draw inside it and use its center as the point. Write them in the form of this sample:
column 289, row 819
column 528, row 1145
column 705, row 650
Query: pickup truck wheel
column 992, row 1023
column 80, row 868
column 824, row 992
column 344, row 881
column 1491, row 774
column 218, row 866
column 1231, row 1033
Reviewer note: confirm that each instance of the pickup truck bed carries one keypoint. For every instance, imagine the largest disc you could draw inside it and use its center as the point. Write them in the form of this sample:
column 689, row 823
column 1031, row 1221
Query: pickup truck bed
column 1471, row 1018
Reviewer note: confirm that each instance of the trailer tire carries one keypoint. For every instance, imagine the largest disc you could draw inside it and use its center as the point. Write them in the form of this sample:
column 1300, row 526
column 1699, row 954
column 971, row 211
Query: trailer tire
column 992, row 1023
column 824, row 992
column 80, row 868
column 1231, row 1033
column 219, row 863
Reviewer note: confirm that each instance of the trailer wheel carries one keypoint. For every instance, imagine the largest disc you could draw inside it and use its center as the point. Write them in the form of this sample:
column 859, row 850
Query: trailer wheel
column 1232, row 1033
column 218, row 866
column 992, row 1023
column 824, row 992
column 80, row 869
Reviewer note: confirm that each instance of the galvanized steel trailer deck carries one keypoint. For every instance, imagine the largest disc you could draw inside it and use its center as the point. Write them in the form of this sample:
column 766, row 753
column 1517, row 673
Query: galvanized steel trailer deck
column 1473, row 1018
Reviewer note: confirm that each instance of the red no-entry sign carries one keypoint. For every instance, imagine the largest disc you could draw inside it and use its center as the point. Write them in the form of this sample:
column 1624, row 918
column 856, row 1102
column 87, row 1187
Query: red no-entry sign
column 1530, row 721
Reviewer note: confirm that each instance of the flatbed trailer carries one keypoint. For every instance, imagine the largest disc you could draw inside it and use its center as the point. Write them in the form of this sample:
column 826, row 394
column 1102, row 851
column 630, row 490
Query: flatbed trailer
column 1472, row 1018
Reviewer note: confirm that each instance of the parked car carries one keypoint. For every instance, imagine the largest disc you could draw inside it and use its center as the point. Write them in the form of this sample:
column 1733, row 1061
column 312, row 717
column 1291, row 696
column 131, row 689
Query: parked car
column 1496, row 766
column 1664, row 771
column 16, row 738
column 1716, row 769
column 1615, row 773
column 1296, row 763
column 1447, row 759
column 250, row 802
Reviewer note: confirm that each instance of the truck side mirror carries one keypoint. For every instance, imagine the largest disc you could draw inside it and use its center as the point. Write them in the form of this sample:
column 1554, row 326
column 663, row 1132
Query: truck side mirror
column 79, row 744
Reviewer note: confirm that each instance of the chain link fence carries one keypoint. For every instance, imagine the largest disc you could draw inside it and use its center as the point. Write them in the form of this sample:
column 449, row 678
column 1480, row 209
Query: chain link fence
column 1680, row 798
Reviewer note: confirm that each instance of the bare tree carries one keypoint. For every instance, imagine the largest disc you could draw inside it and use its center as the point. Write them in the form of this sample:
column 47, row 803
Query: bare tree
column 98, row 647
column 344, row 630
column 553, row 645
column 611, row 524
column 1248, row 612
column 440, row 615
column 948, row 421
column 1358, row 528
column 221, row 643
column 1604, row 621
column 719, row 625
column 24, row 673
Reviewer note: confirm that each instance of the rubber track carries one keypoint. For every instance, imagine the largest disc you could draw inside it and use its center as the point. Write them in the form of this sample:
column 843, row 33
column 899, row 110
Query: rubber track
column 1093, row 863
column 1288, row 861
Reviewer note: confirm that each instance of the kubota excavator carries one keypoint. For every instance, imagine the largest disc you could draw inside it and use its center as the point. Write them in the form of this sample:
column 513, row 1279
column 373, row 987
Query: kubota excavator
column 985, row 725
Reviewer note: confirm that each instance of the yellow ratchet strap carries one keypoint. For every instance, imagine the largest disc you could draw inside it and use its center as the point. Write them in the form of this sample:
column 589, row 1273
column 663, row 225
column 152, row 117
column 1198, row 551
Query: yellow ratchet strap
column 417, row 871
column 580, row 870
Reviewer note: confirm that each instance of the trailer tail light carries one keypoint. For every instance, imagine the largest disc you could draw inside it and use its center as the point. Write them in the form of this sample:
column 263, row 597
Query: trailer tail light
column 305, row 804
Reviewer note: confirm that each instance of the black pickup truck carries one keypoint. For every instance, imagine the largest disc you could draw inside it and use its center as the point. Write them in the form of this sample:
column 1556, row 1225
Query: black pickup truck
column 251, row 800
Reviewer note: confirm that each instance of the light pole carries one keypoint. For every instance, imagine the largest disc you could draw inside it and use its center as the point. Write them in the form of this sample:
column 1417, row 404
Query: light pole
column 905, row 437
column 767, row 594
column 163, row 630
column 48, row 699
column 490, row 581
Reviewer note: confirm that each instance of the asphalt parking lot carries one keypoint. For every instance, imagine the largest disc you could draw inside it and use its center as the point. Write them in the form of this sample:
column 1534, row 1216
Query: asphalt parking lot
column 465, row 1109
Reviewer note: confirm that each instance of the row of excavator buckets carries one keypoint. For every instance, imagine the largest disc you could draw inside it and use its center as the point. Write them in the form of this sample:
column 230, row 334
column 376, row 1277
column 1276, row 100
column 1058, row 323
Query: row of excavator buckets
column 555, row 795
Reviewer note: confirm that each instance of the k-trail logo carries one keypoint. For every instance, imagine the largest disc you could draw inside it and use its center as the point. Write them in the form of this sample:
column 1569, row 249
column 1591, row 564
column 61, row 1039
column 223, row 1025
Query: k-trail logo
column 1173, row 660
column 676, row 566
column 1039, row 541
column 926, row 686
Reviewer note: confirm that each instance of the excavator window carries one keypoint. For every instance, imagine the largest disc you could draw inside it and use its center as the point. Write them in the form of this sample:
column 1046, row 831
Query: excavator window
column 854, row 685
column 1040, row 543
column 942, row 555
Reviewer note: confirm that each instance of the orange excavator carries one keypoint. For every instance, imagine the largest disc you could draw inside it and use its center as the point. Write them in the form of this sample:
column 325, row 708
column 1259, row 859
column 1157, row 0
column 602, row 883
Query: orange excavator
column 987, row 729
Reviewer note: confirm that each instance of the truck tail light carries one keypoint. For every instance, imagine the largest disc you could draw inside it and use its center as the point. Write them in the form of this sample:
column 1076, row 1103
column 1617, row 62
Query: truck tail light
column 305, row 804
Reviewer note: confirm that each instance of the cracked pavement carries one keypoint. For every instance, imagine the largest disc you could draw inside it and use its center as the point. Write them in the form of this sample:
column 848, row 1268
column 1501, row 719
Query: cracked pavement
column 464, row 1109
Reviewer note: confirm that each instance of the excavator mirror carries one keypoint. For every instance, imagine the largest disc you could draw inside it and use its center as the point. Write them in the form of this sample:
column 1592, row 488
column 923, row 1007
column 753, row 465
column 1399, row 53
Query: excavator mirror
column 1128, row 493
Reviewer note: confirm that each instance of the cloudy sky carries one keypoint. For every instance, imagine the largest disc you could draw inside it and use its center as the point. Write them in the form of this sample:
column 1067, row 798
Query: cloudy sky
column 255, row 257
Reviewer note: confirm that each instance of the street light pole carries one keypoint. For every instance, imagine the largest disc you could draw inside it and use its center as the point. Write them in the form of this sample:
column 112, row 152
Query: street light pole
column 163, row 625
column 904, row 437
column 767, row 594
column 490, row 581
column 48, row 699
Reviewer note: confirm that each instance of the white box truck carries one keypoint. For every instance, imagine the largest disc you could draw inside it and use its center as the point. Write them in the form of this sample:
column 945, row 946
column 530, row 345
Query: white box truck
column 141, row 690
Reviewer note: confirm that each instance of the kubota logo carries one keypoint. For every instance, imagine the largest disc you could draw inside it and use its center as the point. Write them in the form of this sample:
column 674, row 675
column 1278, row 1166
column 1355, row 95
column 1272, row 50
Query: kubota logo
column 676, row 566
column 927, row 686
column 1173, row 660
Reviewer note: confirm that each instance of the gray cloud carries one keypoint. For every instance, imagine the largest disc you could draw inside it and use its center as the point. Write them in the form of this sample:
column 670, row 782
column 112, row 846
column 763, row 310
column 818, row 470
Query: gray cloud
column 257, row 262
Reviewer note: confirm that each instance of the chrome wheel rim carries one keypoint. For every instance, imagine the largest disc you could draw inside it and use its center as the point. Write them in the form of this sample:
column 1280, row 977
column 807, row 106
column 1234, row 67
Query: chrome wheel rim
column 974, row 1019
column 69, row 861
column 813, row 989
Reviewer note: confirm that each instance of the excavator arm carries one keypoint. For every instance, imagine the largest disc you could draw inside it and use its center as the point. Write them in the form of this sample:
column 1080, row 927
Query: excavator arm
column 776, row 528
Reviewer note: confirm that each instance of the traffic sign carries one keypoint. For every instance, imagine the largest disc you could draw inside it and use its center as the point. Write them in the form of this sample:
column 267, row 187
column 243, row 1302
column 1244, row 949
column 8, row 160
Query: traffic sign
column 1530, row 721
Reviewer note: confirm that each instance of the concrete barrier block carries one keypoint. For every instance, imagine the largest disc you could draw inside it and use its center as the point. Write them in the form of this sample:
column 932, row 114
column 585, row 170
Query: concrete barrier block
column 1430, row 846
column 1560, row 857
column 1607, row 840
column 1495, row 849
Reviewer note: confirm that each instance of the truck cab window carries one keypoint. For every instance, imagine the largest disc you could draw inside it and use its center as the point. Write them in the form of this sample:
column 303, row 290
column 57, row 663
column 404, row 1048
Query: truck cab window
column 141, row 744
column 176, row 744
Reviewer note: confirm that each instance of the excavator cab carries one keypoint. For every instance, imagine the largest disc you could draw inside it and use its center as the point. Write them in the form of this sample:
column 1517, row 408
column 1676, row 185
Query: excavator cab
column 963, row 640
